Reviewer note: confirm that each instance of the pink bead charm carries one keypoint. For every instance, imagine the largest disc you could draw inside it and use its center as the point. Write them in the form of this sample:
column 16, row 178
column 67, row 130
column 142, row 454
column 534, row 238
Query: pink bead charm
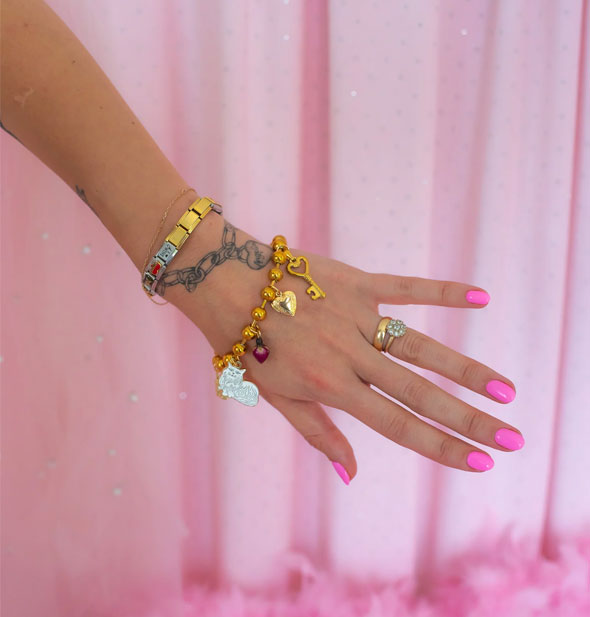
column 261, row 352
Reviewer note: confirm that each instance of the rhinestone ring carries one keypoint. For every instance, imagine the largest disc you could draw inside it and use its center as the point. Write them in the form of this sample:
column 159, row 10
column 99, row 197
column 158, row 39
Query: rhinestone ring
column 388, row 329
column 394, row 329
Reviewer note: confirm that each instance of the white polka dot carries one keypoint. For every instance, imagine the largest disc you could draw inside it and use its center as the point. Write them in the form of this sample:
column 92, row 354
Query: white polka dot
column 1, row 358
column 86, row 249
column 51, row 463
column 133, row 397
column 117, row 491
column 182, row 396
column 464, row 31
column 45, row 235
column 100, row 338
column 286, row 37
column 112, row 452
column 353, row 93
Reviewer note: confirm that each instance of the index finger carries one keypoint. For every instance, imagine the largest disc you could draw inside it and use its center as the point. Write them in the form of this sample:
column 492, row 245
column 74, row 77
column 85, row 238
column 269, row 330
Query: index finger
column 396, row 289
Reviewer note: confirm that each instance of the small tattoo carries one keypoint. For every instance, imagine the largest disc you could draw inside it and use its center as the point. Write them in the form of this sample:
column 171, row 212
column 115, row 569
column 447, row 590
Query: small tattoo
column 3, row 127
column 82, row 196
column 254, row 254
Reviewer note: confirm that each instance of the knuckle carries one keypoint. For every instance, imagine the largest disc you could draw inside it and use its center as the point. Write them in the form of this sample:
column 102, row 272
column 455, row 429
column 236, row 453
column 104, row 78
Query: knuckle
column 445, row 449
column 394, row 427
column 405, row 286
column 446, row 292
column 319, row 440
column 471, row 422
column 414, row 393
column 413, row 347
column 469, row 372
column 318, row 382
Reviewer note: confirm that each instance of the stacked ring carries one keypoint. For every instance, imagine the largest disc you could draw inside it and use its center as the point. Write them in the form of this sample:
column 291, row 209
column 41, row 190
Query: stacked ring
column 388, row 329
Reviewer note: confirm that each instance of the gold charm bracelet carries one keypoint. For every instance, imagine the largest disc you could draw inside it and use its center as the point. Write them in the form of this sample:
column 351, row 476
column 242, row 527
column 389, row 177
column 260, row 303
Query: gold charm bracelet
column 229, row 381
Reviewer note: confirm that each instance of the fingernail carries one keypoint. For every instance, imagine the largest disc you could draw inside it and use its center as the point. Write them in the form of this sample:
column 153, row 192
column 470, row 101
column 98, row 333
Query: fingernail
column 500, row 390
column 509, row 439
column 475, row 296
column 341, row 472
column 480, row 461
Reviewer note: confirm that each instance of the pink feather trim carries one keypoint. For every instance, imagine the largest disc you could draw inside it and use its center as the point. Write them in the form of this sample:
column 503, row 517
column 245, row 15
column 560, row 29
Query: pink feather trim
column 508, row 580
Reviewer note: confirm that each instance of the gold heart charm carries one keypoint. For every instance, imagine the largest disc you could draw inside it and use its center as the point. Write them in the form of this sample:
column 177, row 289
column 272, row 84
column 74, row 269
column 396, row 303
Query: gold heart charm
column 295, row 263
column 285, row 303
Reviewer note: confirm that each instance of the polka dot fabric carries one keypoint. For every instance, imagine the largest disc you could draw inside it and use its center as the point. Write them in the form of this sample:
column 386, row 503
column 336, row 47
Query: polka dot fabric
column 446, row 140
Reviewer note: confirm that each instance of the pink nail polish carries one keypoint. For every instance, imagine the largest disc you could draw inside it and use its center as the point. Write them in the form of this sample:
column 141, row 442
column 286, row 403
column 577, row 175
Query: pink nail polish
column 475, row 296
column 480, row 461
column 509, row 439
column 500, row 390
column 341, row 472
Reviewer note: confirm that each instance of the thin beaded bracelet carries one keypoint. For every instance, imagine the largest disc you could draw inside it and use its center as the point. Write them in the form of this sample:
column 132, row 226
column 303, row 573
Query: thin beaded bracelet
column 229, row 381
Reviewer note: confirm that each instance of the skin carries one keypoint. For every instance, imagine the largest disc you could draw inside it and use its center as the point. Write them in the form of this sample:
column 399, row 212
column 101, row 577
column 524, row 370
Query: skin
column 94, row 142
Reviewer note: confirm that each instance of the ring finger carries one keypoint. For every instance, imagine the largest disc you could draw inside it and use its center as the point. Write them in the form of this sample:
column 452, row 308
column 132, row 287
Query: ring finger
column 428, row 399
column 424, row 351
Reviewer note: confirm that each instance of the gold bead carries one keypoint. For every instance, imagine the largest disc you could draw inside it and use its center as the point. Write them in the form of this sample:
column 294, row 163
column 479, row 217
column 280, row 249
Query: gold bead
column 226, row 359
column 279, row 257
column 219, row 364
column 248, row 332
column 238, row 349
column 279, row 242
column 258, row 313
column 216, row 359
column 268, row 293
column 274, row 274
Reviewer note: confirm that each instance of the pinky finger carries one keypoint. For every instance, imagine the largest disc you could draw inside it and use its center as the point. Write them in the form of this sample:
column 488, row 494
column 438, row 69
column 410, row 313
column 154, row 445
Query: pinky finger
column 311, row 420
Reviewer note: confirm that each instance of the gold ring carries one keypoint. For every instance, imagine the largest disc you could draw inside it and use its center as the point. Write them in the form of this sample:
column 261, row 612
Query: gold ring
column 388, row 329
column 379, row 337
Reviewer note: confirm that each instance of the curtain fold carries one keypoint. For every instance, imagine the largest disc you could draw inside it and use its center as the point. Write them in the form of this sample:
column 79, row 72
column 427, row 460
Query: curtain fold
column 446, row 140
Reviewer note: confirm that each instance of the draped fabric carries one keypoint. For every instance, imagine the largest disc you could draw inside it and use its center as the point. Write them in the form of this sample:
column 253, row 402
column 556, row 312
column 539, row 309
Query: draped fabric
column 446, row 140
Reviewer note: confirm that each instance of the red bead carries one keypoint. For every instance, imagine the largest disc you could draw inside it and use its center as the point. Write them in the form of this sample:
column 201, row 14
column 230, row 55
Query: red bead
column 156, row 268
column 261, row 353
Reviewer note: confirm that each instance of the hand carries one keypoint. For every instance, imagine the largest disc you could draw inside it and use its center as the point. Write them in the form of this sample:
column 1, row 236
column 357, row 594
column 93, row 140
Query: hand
column 324, row 353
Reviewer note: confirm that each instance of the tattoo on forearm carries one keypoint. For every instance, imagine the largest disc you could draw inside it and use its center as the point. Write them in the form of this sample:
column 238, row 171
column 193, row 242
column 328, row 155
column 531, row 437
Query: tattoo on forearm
column 82, row 196
column 3, row 127
column 254, row 254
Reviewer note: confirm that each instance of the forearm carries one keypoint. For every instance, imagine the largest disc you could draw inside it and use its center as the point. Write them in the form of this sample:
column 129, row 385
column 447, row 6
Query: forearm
column 60, row 105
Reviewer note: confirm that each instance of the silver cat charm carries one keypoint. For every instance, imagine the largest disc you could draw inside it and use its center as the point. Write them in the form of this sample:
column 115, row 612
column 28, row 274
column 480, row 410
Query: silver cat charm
column 231, row 383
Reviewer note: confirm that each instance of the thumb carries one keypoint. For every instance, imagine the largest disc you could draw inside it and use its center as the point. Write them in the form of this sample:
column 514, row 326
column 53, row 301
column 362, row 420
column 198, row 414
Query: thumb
column 312, row 421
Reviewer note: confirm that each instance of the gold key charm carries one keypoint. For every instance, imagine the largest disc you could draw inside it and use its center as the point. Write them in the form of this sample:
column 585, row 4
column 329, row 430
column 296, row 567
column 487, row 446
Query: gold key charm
column 314, row 289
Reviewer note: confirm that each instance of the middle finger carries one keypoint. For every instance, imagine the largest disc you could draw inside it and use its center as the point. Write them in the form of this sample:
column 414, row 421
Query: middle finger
column 429, row 400
column 426, row 352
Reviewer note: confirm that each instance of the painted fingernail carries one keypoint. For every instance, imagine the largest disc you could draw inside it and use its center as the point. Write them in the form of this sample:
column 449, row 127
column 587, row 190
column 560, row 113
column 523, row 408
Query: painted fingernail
column 480, row 461
column 475, row 296
column 509, row 439
column 341, row 472
column 500, row 390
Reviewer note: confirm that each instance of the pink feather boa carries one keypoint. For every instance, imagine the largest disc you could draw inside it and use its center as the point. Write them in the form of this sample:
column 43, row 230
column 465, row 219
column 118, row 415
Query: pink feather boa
column 509, row 579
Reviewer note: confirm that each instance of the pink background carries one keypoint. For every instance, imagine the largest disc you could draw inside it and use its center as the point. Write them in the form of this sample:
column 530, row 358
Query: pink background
column 448, row 140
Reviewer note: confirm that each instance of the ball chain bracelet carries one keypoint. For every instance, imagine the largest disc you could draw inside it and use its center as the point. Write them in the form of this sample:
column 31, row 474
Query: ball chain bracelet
column 229, row 381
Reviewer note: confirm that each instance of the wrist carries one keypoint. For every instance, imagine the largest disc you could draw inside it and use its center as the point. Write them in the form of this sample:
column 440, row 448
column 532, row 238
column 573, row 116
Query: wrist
column 192, row 266
column 146, row 237
column 213, row 278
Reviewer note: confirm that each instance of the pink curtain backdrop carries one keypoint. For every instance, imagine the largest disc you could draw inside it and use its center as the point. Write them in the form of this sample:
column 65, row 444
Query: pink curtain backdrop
column 448, row 140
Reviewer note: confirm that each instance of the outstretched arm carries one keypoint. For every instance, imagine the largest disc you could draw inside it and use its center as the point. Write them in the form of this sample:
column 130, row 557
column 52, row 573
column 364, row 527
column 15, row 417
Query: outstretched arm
column 61, row 106
column 58, row 102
